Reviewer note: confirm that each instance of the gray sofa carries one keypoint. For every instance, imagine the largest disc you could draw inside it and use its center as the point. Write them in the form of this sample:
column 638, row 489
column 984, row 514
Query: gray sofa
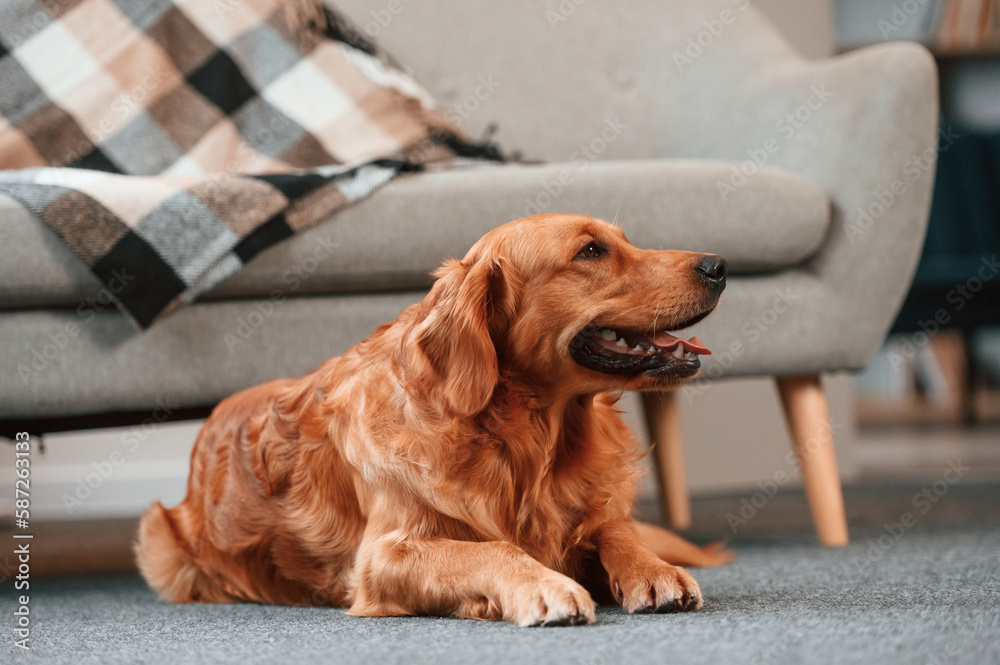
column 692, row 122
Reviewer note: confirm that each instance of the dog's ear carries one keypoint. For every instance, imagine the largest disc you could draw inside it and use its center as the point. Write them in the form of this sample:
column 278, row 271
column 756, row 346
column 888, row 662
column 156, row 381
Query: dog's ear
column 455, row 334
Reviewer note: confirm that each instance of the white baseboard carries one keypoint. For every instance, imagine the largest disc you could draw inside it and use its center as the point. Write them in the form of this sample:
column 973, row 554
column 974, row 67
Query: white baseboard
column 100, row 474
column 80, row 492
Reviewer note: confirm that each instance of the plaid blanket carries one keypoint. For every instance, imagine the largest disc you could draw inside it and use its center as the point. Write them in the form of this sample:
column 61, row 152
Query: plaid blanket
column 170, row 141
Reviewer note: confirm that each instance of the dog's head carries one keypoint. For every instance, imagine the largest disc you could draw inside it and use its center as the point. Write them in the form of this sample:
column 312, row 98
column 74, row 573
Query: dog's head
column 567, row 303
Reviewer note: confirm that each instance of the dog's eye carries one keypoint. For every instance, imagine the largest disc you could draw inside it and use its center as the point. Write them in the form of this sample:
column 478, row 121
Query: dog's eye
column 591, row 251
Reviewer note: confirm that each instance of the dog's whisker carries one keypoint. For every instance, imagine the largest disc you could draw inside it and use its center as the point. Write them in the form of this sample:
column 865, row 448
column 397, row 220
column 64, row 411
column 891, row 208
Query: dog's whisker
column 632, row 309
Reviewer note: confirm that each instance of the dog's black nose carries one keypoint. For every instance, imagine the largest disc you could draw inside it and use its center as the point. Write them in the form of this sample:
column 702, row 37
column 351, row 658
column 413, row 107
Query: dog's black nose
column 712, row 269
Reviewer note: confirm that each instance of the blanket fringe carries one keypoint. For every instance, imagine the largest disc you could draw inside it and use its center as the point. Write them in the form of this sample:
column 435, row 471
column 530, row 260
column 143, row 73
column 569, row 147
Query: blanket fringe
column 303, row 15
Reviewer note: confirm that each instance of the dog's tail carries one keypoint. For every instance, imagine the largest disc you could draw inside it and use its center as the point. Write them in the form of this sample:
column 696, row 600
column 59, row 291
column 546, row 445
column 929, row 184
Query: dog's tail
column 167, row 565
column 674, row 549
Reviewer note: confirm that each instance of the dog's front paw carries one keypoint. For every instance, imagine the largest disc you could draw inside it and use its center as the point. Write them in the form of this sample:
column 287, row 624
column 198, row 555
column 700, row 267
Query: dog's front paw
column 552, row 600
column 657, row 587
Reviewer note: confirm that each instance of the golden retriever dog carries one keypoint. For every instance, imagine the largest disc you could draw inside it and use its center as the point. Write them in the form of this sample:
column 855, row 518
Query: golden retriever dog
column 467, row 459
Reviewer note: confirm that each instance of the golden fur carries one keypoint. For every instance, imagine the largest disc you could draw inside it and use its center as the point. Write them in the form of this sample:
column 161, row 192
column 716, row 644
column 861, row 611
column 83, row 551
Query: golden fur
column 457, row 462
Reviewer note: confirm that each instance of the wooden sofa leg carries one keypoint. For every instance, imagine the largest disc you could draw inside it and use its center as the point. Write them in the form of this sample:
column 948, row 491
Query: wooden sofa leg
column 809, row 423
column 664, row 423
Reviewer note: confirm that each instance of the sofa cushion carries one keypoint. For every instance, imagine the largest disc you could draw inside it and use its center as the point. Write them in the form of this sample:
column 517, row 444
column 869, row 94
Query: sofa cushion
column 64, row 363
column 392, row 240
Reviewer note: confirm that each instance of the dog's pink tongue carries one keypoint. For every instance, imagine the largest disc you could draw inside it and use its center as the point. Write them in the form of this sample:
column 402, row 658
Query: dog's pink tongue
column 665, row 340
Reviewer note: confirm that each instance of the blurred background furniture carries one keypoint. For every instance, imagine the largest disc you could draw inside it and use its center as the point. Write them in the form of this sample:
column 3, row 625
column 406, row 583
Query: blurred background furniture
column 940, row 368
column 695, row 123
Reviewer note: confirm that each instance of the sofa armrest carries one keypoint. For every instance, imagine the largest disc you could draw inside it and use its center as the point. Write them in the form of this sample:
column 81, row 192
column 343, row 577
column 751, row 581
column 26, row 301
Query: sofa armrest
column 648, row 79
column 864, row 127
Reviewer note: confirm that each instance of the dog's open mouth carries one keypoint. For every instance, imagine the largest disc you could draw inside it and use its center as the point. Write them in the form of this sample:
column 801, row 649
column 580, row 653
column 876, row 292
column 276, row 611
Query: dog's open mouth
column 629, row 352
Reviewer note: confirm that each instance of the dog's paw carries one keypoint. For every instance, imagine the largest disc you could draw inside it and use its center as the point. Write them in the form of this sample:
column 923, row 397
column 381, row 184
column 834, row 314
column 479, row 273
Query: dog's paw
column 657, row 587
column 552, row 600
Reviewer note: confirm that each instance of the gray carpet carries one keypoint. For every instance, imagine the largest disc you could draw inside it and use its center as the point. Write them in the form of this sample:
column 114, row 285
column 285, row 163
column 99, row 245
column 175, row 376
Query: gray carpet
column 932, row 596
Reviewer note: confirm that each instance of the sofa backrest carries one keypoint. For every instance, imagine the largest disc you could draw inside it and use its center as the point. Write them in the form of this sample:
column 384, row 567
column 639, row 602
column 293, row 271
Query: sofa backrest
column 565, row 79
